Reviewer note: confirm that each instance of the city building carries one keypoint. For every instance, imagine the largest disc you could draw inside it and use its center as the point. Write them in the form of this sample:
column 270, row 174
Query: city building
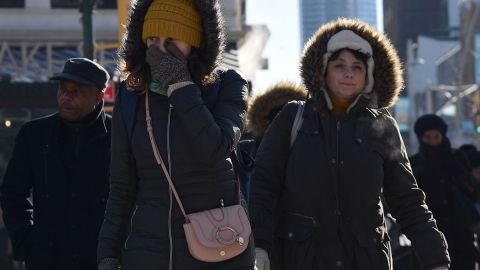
column 314, row 13
column 37, row 36
column 437, row 43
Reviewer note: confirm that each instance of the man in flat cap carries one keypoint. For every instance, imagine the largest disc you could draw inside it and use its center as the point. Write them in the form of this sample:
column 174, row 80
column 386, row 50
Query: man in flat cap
column 55, row 187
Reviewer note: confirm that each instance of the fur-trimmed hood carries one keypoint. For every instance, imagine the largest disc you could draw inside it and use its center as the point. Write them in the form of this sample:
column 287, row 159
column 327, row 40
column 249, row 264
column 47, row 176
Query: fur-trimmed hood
column 211, row 47
column 387, row 73
column 262, row 108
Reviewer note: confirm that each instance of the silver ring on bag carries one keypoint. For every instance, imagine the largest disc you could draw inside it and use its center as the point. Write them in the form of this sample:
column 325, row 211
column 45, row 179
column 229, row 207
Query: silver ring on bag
column 226, row 228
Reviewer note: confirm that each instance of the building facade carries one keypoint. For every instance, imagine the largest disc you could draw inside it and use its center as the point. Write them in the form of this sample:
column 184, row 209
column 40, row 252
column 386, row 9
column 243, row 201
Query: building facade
column 37, row 36
column 314, row 13
column 407, row 19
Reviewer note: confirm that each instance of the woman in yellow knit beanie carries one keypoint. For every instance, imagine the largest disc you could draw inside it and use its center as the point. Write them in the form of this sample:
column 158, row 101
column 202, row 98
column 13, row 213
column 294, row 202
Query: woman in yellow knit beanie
column 169, row 56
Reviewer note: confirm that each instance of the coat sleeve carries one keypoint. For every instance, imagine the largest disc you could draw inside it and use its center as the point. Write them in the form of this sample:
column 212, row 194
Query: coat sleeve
column 269, row 174
column 122, row 189
column 213, row 135
column 14, row 194
column 407, row 203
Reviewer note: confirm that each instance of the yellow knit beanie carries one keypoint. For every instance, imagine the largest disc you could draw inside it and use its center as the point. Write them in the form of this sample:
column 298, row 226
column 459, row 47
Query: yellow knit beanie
column 176, row 19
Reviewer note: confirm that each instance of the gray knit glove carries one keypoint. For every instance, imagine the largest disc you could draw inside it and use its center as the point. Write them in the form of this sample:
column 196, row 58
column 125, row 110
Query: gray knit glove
column 109, row 264
column 166, row 68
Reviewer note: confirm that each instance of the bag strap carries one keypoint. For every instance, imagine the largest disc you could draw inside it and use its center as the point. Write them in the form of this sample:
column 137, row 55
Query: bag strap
column 297, row 123
column 158, row 158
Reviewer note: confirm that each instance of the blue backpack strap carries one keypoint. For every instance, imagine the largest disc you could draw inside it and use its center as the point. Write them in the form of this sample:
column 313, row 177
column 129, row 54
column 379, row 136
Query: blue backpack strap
column 129, row 102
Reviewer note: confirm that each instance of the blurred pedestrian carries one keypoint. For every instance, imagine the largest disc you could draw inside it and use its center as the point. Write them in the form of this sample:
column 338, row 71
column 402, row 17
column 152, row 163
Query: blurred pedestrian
column 317, row 204
column 438, row 172
column 473, row 158
column 62, row 160
column 171, row 53
column 262, row 109
column 468, row 149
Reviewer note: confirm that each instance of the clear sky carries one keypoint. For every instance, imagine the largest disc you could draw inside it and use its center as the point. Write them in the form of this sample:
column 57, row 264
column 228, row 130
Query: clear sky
column 283, row 47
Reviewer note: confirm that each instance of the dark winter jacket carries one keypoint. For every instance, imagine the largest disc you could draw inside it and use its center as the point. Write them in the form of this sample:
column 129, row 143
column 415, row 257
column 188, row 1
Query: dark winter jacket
column 438, row 173
column 136, row 227
column 143, row 224
column 317, row 205
column 66, row 167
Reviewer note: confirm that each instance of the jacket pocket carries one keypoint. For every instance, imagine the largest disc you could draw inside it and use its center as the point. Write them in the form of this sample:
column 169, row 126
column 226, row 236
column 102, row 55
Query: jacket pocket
column 296, row 227
column 372, row 238
column 373, row 249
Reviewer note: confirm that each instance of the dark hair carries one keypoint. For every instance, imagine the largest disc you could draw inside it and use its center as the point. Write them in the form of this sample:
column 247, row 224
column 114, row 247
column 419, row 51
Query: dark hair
column 132, row 50
column 359, row 55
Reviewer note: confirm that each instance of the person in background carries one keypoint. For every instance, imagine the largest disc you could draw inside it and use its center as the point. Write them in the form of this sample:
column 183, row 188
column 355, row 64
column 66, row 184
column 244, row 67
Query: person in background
column 317, row 204
column 438, row 170
column 468, row 149
column 171, row 53
column 475, row 169
column 473, row 159
column 55, row 186
column 262, row 108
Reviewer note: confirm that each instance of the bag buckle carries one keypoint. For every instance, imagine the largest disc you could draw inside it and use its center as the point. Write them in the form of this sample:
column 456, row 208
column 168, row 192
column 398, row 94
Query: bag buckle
column 236, row 237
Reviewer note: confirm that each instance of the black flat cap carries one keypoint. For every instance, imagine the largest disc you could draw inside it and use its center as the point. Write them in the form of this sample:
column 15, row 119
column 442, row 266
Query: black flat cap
column 84, row 71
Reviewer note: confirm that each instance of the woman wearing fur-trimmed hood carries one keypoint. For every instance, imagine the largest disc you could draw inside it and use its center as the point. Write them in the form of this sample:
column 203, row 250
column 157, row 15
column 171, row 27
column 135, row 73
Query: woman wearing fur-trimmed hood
column 263, row 107
column 178, row 105
column 317, row 204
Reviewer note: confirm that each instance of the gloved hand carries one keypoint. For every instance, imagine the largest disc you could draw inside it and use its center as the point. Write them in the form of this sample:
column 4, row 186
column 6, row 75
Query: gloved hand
column 109, row 264
column 166, row 68
column 262, row 262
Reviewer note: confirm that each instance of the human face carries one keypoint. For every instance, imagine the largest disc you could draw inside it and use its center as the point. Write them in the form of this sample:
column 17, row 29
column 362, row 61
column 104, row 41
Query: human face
column 432, row 137
column 345, row 76
column 476, row 174
column 75, row 101
column 160, row 43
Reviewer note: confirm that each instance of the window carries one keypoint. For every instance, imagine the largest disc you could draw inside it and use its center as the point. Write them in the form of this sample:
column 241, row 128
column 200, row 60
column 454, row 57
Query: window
column 12, row 4
column 100, row 4
column 65, row 3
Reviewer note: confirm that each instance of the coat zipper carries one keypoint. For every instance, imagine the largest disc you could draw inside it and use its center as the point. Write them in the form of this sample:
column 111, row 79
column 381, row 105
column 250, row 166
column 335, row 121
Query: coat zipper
column 131, row 226
column 170, row 238
column 45, row 163
column 337, row 206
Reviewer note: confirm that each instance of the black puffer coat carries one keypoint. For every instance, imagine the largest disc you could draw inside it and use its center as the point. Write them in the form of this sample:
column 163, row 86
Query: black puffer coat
column 317, row 205
column 143, row 224
column 136, row 226
column 66, row 167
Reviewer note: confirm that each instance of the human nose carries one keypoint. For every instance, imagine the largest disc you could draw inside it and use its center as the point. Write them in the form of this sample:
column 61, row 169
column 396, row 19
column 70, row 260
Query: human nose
column 349, row 72
column 67, row 95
